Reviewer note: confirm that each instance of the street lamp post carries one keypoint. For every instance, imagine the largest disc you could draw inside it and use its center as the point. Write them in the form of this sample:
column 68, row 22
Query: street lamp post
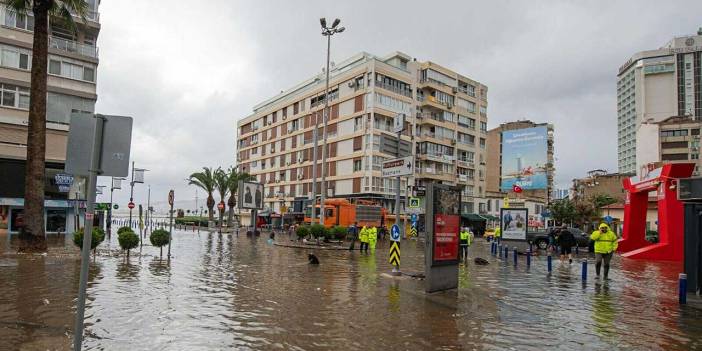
column 131, row 183
column 327, row 32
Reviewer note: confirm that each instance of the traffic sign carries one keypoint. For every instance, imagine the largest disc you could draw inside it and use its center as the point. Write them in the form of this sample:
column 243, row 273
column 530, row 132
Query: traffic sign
column 170, row 197
column 130, row 205
column 398, row 167
column 413, row 229
column 395, row 232
column 608, row 219
column 413, row 218
column 399, row 123
column 395, row 254
column 414, row 202
column 115, row 206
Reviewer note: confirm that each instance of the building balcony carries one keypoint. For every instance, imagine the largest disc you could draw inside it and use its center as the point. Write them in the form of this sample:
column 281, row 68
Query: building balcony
column 73, row 47
column 394, row 89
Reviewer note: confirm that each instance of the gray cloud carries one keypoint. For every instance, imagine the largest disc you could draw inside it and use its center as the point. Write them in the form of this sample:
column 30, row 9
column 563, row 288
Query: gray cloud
column 186, row 74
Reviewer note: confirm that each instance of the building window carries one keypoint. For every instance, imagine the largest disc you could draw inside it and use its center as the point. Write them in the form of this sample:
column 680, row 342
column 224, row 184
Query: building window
column 71, row 69
column 14, row 96
column 13, row 57
column 357, row 165
column 467, row 122
column 483, row 127
column 482, row 143
column 18, row 20
column 59, row 107
column 674, row 133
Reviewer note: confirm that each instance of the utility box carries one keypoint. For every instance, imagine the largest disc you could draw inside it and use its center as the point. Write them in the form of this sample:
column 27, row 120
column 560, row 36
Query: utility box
column 693, row 246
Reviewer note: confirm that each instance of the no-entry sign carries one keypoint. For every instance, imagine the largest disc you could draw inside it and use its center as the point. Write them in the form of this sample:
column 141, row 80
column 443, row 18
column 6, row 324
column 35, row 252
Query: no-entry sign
column 130, row 205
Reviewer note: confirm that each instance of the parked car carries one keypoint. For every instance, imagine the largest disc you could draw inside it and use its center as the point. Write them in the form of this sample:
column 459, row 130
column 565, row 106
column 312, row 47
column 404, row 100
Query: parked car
column 540, row 238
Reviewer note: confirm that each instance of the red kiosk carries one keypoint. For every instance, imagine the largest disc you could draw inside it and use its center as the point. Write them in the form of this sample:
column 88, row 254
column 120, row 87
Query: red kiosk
column 663, row 181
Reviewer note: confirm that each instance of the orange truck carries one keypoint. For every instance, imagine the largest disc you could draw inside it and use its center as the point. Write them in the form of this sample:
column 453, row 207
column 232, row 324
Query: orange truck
column 344, row 213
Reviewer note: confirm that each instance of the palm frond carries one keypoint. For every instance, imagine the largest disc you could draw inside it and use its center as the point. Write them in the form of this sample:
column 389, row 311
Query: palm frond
column 19, row 6
column 66, row 9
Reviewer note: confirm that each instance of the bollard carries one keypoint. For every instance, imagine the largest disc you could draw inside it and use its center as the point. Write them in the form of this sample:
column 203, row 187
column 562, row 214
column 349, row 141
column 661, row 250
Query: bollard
column 529, row 258
column 515, row 255
column 682, row 289
column 492, row 248
column 506, row 252
column 499, row 250
column 549, row 264
column 576, row 250
column 530, row 247
column 584, row 270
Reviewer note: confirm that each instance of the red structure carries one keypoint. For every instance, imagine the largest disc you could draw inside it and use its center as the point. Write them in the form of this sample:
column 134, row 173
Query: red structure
column 663, row 181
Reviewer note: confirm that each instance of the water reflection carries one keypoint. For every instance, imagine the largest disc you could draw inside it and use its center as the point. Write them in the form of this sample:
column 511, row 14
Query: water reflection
column 229, row 292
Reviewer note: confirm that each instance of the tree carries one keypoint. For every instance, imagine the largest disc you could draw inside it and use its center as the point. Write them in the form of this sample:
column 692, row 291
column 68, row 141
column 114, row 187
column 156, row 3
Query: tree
column 128, row 240
column 159, row 238
column 33, row 230
column 205, row 181
column 234, row 178
column 563, row 210
column 222, row 185
column 601, row 200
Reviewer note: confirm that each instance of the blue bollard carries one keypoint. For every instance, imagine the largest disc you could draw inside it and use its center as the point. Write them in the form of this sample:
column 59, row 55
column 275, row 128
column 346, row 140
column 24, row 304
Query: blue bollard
column 493, row 248
column 576, row 250
column 515, row 255
column 584, row 270
column 506, row 252
column 499, row 250
column 529, row 258
column 549, row 263
column 682, row 289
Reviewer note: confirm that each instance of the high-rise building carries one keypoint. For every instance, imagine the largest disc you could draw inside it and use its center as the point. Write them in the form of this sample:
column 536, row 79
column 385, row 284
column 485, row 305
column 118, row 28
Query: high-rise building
column 672, row 140
column 654, row 85
column 72, row 67
column 446, row 127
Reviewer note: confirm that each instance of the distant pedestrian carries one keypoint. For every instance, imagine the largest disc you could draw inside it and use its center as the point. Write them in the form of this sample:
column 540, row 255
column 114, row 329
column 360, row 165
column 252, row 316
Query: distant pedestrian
column 552, row 239
column 352, row 234
column 372, row 237
column 364, row 238
column 464, row 243
column 566, row 240
column 605, row 245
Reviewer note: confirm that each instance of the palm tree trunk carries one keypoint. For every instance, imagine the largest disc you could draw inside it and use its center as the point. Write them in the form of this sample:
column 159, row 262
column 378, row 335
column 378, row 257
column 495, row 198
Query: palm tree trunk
column 33, row 230
column 210, row 207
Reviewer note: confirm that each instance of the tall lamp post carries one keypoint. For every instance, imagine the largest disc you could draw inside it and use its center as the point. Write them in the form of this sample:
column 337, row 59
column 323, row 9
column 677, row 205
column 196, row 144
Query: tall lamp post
column 116, row 184
column 327, row 32
column 140, row 179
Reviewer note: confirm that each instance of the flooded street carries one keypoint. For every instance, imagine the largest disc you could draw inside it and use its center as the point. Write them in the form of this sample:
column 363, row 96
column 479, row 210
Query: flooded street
column 224, row 292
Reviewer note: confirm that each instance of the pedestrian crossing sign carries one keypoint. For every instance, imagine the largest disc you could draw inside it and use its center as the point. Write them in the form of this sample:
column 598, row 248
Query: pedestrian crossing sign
column 414, row 202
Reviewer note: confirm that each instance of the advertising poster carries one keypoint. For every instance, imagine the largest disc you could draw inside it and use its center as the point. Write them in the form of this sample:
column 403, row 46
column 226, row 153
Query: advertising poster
column 446, row 226
column 251, row 195
column 514, row 223
column 524, row 158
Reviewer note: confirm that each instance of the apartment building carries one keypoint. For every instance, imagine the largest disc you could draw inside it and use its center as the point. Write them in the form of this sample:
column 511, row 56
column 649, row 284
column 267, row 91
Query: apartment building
column 446, row 127
column 599, row 182
column 72, row 66
column 673, row 140
column 652, row 86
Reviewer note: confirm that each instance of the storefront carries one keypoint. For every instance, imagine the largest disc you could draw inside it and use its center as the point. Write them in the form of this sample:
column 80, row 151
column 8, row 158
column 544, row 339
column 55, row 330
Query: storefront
column 59, row 215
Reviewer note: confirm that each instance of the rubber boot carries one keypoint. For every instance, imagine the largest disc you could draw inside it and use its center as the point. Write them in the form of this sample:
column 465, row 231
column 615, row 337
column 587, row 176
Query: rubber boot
column 597, row 269
column 606, row 272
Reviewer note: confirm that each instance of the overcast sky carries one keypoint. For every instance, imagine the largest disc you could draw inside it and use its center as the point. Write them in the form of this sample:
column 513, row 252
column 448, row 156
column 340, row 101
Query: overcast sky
column 187, row 72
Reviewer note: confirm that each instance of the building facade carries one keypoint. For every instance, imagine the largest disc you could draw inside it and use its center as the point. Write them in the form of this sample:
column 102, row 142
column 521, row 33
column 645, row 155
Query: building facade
column 599, row 182
column 445, row 128
column 654, row 85
column 494, row 160
column 672, row 140
column 72, row 69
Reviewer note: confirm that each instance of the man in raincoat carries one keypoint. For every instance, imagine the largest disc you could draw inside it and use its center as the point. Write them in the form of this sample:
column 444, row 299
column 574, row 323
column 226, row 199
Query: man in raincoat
column 498, row 234
column 364, row 238
column 372, row 237
column 465, row 241
column 605, row 245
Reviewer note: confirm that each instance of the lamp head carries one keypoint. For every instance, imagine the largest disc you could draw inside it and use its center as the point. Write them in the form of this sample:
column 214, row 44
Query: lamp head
column 323, row 22
column 341, row 29
column 336, row 22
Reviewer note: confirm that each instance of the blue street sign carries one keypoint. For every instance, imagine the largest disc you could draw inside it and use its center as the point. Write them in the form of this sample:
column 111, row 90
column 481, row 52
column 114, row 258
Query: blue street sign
column 413, row 217
column 608, row 219
column 395, row 233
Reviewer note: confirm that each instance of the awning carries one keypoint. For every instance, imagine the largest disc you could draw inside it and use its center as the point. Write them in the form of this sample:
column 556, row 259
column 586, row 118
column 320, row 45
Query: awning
column 472, row 217
column 490, row 217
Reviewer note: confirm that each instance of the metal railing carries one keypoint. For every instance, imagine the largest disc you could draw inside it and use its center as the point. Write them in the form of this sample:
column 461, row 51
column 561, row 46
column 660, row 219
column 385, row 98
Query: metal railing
column 395, row 89
column 73, row 47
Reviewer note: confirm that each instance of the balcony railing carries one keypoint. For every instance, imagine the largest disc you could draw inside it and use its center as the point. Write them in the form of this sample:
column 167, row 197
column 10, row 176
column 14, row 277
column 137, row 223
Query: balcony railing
column 395, row 89
column 89, row 15
column 73, row 47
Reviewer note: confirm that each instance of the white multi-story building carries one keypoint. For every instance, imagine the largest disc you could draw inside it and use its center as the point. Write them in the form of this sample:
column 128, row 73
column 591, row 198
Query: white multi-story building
column 72, row 69
column 446, row 127
column 652, row 86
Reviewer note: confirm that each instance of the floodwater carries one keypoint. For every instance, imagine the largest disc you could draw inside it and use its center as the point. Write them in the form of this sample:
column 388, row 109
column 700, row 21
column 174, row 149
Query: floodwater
column 237, row 292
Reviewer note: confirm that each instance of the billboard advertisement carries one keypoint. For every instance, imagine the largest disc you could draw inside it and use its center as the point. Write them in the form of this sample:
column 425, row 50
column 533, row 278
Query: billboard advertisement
column 447, row 218
column 524, row 158
column 514, row 223
column 250, row 195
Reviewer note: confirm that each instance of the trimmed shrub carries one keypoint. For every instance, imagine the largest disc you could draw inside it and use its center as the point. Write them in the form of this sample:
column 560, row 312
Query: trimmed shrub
column 318, row 231
column 159, row 238
column 302, row 231
column 97, row 238
column 124, row 229
column 128, row 240
column 339, row 232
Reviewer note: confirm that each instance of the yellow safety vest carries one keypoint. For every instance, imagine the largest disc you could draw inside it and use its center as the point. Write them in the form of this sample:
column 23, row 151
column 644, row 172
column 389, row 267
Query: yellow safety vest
column 364, row 235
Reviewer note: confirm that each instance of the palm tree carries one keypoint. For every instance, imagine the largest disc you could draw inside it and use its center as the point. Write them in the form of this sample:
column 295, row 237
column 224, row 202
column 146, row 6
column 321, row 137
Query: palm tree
column 234, row 178
column 205, row 180
column 222, row 184
column 33, row 229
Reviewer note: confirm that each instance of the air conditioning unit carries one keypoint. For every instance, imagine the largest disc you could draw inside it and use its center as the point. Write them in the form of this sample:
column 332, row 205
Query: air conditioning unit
column 352, row 84
column 277, row 180
column 453, row 141
column 454, row 89
column 449, row 105
column 287, row 163
column 285, row 117
column 299, row 160
column 270, row 122
column 290, row 130
column 272, row 150
column 299, row 176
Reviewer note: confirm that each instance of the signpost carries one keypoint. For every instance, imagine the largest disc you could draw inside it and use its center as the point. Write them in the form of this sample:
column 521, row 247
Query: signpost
column 398, row 167
column 413, row 227
column 171, row 196
column 97, row 145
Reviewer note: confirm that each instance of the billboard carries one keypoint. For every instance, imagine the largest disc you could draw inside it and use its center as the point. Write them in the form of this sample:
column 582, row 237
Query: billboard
column 524, row 158
column 514, row 223
column 447, row 218
column 250, row 195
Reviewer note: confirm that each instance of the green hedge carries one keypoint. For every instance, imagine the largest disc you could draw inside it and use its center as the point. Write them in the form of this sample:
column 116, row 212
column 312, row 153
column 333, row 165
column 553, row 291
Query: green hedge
column 200, row 221
column 97, row 238
column 302, row 231
column 318, row 231
column 339, row 232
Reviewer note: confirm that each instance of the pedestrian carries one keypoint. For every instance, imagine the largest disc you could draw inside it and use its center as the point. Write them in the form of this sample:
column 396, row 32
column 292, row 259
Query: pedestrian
column 364, row 239
column 381, row 232
column 353, row 233
column 566, row 240
column 605, row 245
column 464, row 243
column 372, row 237
column 498, row 234
column 552, row 239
